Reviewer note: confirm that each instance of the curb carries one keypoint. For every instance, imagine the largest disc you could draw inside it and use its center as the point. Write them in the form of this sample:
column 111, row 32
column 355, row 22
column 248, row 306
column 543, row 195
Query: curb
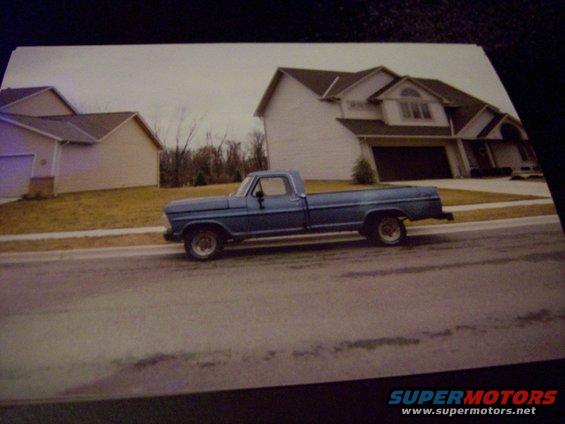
column 301, row 239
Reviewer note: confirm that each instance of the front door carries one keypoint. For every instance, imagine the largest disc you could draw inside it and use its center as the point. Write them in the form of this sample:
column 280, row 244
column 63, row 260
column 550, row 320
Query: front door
column 274, row 208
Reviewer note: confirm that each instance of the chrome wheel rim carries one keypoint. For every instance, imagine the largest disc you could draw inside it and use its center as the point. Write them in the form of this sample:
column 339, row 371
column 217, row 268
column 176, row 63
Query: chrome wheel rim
column 389, row 229
column 204, row 244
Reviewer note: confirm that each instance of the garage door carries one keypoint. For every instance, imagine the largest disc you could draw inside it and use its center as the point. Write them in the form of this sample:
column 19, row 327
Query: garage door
column 411, row 163
column 15, row 172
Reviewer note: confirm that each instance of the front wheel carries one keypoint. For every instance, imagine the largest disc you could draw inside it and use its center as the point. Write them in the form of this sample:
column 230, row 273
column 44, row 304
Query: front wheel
column 387, row 230
column 203, row 244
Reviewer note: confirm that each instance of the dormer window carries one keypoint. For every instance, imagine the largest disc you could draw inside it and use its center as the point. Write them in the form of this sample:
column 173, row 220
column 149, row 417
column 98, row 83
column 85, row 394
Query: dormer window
column 413, row 107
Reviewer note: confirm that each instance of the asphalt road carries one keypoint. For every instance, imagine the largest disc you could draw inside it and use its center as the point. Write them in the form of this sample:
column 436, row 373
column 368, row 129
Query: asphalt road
column 126, row 326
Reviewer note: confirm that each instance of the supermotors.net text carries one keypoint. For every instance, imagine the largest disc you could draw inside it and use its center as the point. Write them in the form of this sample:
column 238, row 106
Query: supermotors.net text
column 469, row 411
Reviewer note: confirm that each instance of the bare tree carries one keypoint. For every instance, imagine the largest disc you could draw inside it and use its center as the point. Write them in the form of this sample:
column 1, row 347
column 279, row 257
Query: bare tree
column 257, row 159
column 176, row 160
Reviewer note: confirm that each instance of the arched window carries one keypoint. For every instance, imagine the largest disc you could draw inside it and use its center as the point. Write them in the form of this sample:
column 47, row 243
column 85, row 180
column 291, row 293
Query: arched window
column 409, row 92
column 412, row 108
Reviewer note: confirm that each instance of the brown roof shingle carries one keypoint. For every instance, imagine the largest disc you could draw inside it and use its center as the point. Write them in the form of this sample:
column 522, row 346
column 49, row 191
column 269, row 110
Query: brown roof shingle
column 58, row 129
column 377, row 127
column 316, row 80
column 88, row 128
column 98, row 125
column 11, row 95
column 349, row 79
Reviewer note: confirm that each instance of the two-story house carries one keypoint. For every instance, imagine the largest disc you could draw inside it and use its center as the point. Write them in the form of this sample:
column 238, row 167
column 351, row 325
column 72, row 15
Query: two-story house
column 319, row 122
column 47, row 147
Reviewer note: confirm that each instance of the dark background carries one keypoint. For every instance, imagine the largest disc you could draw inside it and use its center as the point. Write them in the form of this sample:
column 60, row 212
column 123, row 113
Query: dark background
column 522, row 38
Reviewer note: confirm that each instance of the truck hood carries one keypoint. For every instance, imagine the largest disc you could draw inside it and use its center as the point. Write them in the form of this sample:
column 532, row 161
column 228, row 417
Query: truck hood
column 197, row 204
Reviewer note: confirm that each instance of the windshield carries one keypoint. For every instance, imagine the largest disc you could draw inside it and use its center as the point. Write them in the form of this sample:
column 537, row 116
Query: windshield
column 243, row 187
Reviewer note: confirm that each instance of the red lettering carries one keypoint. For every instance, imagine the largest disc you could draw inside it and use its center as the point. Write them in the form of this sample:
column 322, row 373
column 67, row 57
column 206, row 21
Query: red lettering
column 549, row 397
column 490, row 397
column 535, row 397
column 473, row 397
column 505, row 396
column 520, row 397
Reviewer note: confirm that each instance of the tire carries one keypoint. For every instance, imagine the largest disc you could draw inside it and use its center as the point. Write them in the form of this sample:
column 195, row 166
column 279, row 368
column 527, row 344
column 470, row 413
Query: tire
column 203, row 244
column 387, row 231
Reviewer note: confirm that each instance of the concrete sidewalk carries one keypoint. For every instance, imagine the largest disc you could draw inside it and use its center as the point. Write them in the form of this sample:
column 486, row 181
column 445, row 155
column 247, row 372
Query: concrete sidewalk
column 150, row 230
column 296, row 240
column 491, row 185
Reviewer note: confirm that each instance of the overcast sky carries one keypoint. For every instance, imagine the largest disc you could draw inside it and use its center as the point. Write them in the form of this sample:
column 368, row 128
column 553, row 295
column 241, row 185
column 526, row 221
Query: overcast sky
column 225, row 82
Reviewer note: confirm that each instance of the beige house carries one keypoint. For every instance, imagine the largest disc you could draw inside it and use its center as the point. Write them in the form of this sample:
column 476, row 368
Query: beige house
column 47, row 148
column 319, row 122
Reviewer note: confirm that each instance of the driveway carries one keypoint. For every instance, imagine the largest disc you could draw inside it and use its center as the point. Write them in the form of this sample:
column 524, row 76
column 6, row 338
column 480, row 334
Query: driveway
column 492, row 185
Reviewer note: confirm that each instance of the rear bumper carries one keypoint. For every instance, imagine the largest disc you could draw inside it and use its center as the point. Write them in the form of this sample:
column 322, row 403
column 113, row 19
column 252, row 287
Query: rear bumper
column 445, row 215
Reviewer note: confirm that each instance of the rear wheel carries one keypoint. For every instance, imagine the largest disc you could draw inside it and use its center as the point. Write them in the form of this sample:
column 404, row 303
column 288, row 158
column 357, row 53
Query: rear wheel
column 387, row 230
column 203, row 243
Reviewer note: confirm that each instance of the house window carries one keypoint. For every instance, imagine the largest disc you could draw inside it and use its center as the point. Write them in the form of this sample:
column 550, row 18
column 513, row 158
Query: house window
column 405, row 109
column 414, row 109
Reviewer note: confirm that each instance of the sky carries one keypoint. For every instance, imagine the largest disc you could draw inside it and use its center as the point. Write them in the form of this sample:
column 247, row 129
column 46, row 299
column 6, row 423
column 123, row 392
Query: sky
column 221, row 84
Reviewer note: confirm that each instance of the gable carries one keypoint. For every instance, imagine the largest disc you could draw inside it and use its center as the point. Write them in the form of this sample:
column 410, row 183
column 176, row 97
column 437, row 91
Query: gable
column 45, row 102
column 478, row 123
column 365, row 87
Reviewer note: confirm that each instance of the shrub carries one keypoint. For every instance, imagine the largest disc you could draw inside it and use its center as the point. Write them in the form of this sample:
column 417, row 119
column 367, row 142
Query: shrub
column 200, row 179
column 362, row 172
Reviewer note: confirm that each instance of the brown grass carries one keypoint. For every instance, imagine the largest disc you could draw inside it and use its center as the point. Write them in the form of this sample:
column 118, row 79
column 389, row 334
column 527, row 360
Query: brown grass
column 140, row 207
column 148, row 239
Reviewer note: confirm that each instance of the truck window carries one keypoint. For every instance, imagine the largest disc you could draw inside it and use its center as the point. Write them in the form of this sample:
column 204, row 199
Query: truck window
column 272, row 186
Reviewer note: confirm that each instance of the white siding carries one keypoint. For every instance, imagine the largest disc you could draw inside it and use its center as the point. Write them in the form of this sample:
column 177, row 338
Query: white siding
column 303, row 134
column 361, row 92
column 506, row 154
column 17, row 140
column 127, row 158
column 373, row 111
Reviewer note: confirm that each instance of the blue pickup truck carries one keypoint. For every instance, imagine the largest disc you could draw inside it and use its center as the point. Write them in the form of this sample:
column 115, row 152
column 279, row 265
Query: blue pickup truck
column 274, row 203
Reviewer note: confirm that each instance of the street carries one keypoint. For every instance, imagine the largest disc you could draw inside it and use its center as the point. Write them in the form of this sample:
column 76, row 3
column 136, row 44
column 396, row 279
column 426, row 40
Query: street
column 128, row 326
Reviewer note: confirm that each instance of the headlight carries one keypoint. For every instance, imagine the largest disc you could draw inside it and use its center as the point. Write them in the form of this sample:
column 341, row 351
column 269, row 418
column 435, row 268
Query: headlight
column 166, row 222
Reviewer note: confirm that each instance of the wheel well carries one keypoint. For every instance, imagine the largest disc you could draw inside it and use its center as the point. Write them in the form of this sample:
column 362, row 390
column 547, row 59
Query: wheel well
column 373, row 216
column 221, row 230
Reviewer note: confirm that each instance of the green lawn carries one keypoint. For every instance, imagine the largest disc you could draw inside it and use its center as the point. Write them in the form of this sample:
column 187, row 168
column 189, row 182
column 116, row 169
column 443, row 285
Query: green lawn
column 139, row 207
column 155, row 238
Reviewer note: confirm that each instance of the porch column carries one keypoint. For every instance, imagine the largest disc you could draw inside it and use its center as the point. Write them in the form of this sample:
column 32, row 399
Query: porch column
column 464, row 158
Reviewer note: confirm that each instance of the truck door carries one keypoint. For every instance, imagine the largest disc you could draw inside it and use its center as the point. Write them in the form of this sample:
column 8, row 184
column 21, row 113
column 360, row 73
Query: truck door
column 274, row 208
